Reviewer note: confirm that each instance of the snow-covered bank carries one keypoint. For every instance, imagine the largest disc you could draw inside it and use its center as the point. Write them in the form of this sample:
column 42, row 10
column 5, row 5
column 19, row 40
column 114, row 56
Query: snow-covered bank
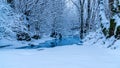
column 60, row 57
column 44, row 42
column 97, row 39
column 15, row 43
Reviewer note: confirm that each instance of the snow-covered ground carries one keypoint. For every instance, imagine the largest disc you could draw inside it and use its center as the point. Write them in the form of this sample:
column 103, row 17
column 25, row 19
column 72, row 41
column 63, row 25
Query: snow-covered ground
column 60, row 57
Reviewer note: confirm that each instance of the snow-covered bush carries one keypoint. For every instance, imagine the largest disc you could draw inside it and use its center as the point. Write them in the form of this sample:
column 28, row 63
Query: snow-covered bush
column 10, row 23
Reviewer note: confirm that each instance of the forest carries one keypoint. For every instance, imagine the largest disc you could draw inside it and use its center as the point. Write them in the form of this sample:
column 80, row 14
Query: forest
column 38, row 18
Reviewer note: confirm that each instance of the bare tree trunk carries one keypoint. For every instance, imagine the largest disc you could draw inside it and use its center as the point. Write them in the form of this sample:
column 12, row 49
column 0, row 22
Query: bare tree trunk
column 88, row 18
column 81, row 17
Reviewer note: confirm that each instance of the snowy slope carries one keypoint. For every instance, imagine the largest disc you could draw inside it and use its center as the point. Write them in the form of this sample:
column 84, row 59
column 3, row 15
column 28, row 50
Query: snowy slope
column 60, row 57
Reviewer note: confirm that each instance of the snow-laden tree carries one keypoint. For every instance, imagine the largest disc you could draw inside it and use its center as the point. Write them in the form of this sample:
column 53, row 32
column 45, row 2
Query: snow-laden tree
column 41, row 16
column 32, row 12
column 57, row 7
column 10, row 22
column 88, row 14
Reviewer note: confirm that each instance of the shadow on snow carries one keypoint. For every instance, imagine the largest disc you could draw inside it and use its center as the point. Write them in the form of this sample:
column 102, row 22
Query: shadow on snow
column 5, row 46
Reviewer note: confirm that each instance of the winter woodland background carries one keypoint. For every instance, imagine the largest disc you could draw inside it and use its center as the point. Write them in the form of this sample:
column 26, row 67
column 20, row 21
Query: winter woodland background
column 97, row 20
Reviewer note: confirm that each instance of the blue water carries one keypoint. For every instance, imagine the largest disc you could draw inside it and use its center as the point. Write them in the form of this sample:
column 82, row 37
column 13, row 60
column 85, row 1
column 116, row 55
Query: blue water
column 55, row 42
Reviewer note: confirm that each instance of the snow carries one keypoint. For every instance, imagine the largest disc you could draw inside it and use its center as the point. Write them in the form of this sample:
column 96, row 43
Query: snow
column 60, row 57
column 95, row 39
column 117, row 44
column 9, row 22
column 15, row 43
column 102, row 14
column 44, row 42
column 117, row 20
